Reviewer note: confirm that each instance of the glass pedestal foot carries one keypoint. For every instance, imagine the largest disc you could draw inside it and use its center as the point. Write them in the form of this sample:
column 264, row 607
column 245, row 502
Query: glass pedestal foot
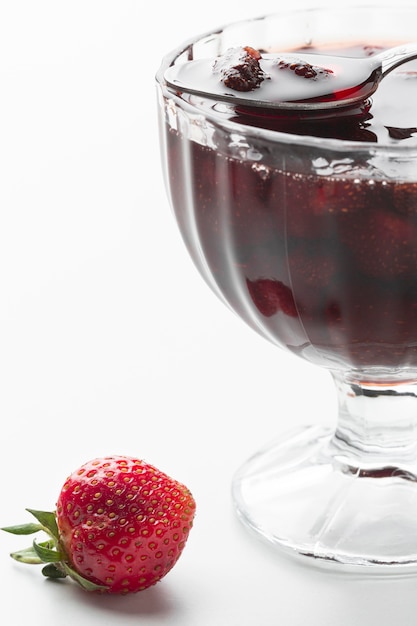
column 345, row 497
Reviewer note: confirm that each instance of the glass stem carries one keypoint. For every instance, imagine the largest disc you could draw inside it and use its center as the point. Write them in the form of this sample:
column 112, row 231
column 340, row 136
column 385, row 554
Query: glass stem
column 377, row 423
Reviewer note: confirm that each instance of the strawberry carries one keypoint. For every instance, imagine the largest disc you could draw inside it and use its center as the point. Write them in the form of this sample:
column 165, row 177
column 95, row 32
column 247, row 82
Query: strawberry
column 239, row 68
column 120, row 525
column 271, row 296
column 301, row 68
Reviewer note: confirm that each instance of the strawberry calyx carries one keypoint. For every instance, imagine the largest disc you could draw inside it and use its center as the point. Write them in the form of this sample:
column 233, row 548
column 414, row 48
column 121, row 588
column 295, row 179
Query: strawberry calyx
column 48, row 552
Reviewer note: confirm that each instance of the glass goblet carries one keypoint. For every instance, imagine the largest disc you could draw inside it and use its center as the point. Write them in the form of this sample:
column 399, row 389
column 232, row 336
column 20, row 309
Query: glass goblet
column 306, row 227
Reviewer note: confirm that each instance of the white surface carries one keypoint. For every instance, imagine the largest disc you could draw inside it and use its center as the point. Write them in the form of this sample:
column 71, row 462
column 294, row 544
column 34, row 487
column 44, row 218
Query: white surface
column 111, row 342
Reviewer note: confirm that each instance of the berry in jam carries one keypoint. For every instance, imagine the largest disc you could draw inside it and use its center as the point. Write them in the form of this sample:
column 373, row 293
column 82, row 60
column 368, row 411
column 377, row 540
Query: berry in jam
column 306, row 70
column 239, row 69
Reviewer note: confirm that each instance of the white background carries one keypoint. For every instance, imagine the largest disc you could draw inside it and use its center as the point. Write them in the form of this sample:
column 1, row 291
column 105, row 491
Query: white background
column 111, row 343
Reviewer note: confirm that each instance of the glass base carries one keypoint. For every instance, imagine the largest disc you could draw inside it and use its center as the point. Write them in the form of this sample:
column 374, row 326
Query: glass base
column 314, row 496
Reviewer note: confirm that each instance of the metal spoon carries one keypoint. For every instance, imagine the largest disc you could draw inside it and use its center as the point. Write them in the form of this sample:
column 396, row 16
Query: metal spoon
column 345, row 81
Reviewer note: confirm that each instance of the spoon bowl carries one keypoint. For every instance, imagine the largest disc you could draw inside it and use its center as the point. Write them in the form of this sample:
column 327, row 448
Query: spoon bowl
column 339, row 81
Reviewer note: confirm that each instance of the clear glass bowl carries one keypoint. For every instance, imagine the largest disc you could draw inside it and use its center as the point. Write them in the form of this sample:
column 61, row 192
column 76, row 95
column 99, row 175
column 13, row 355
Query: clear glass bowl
column 312, row 240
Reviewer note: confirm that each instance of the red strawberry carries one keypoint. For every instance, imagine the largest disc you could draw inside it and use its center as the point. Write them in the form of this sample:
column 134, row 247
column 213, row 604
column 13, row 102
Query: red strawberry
column 271, row 296
column 120, row 525
column 239, row 68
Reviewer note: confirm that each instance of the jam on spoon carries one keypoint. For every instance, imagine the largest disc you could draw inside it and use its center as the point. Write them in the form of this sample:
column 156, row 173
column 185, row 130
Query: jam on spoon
column 245, row 76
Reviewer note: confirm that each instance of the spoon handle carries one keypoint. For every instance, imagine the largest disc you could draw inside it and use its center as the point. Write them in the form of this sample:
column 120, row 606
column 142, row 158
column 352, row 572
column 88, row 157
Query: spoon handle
column 392, row 58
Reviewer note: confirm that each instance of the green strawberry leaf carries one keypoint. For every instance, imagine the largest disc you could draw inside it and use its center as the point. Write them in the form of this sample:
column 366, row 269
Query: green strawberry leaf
column 48, row 521
column 46, row 552
column 27, row 555
column 52, row 571
column 84, row 582
column 23, row 529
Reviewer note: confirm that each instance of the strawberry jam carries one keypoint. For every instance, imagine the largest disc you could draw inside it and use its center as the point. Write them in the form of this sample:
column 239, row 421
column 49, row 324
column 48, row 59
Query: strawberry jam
column 306, row 230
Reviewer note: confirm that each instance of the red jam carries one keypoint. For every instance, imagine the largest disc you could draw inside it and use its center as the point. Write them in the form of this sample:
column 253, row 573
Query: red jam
column 315, row 250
